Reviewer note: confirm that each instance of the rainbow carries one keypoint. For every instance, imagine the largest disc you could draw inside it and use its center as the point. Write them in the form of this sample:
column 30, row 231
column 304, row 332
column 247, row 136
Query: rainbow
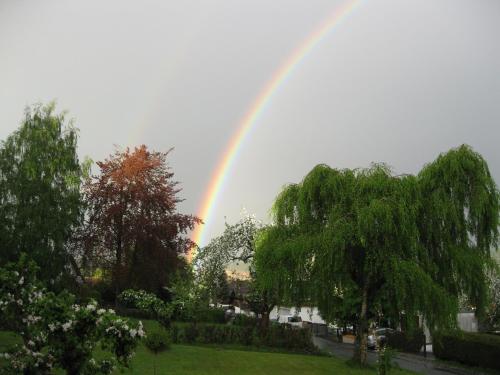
column 221, row 172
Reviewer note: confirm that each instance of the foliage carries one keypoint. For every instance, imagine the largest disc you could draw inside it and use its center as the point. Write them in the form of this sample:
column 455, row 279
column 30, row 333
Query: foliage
column 141, row 299
column 474, row 349
column 184, row 307
column 410, row 341
column 148, row 303
column 40, row 201
column 360, row 243
column 188, row 298
column 157, row 342
column 55, row 331
column 385, row 360
column 243, row 320
column 235, row 245
column 133, row 227
column 278, row 336
column 492, row 316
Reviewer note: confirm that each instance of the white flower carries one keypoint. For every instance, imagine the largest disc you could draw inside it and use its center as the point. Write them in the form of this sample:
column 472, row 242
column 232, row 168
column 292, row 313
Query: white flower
column 111, row 311
column 52, row 327
column 90, row 307
column 133, row 332
column 67, row 325
column 101, row 311
column 31, row 343
column 21, row 281
column 20, row 302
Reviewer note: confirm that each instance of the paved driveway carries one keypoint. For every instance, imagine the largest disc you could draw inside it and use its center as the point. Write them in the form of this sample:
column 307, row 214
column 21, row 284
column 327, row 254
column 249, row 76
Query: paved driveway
column 411, row 362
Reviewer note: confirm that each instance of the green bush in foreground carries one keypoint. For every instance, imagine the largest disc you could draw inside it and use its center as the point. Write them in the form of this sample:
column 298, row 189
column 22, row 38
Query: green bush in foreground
column 56, row 332
column 474, row 349
column 157, row 342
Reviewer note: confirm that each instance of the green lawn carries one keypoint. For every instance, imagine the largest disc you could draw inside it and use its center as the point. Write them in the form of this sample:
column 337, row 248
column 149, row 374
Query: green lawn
column 187, row 360
column 211, row 360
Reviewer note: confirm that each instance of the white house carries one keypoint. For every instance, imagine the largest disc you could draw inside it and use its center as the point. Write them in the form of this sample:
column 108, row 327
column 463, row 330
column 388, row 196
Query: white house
column 308, row 314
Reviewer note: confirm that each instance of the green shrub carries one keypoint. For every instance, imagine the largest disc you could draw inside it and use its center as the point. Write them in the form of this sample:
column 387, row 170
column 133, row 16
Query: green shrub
column 200, row 315
column 157, row 342
column 474, row 349
column 274, row 337
column 385, row 360
column 243, row 320
column 410, row 342
column 106, row 291
column 191, row 333
column 140, row 299
column 134, row 313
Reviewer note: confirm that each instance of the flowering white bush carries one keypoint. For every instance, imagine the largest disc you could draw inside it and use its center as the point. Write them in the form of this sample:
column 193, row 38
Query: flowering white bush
column 148, row 302
column 140, row 299
column 56, row 332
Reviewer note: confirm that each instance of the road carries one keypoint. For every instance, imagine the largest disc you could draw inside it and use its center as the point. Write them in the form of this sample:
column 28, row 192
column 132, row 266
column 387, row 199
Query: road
column 412, row 362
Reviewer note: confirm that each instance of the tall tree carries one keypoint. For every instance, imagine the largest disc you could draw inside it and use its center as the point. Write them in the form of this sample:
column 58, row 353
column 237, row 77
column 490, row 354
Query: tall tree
column 362, row 242
column 133, row 226
column 40, row 201
column 236, row 245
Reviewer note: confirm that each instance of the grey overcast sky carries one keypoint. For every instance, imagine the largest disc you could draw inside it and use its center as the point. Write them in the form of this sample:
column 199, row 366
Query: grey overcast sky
column 398, row 82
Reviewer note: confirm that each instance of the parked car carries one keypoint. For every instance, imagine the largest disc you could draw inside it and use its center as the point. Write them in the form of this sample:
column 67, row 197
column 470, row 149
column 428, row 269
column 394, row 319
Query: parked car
column 378, row 337
column 294, row 321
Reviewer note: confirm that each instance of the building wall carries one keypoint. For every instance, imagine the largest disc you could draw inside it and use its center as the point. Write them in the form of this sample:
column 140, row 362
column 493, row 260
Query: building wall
column 467, row 322
column 308, row 314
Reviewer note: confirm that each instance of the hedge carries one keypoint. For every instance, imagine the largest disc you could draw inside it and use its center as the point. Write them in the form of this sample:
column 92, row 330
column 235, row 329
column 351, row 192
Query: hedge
column 202, row 315
column 474, row 349
column 406, row 342
column 299, row 340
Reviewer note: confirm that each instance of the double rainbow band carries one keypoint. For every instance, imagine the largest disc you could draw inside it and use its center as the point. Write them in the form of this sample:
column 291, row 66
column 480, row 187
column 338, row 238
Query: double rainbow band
column 221, row 172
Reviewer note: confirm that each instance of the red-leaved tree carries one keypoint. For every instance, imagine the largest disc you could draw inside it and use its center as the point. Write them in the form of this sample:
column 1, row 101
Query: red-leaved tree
column 133, row 229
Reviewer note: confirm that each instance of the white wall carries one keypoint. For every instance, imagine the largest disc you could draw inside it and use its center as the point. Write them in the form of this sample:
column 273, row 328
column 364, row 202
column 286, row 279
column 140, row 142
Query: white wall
column 467, row 322
column 308, row 314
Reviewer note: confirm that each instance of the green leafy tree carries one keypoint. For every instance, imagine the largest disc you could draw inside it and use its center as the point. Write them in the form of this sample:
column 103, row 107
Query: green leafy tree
column 40, row 201
column 236, row 245
column 363, row 242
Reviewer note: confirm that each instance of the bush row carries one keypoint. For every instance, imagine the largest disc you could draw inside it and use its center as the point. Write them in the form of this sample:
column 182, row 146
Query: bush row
column 202, row 315
column 474, row 349
column 406, row 342
column 274, row 337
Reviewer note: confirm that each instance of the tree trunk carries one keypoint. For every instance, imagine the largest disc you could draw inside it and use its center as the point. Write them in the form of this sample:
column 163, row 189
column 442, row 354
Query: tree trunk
column 360, row 351
column 264, row 323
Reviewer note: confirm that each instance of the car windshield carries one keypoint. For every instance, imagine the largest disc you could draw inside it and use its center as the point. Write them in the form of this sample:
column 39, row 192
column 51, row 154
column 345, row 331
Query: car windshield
column 383, row 331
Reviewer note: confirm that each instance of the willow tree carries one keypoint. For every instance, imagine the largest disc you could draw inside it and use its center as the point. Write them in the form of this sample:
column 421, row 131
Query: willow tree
column 363, row 242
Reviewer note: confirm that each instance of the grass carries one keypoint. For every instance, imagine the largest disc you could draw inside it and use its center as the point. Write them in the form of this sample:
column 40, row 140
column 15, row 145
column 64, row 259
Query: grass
column 188, row 360
column 213, row 360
